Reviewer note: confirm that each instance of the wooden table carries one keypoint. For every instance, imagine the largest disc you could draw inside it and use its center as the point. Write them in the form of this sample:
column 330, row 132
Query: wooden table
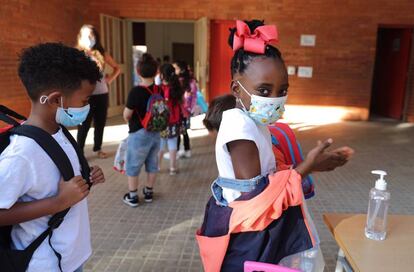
column 395, row 253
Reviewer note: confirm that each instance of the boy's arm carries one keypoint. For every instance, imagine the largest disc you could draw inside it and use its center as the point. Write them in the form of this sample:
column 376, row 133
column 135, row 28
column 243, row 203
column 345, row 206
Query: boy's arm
column 26, row 211
column 70, row 193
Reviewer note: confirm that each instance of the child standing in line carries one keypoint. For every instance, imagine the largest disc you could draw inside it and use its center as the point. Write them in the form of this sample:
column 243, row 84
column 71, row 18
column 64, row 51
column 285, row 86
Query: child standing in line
column 189, row 85
column 173, row 94
column 143, row 145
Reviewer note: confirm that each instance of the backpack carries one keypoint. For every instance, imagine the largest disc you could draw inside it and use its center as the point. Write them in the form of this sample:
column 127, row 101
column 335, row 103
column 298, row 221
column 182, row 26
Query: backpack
column 157, row 115
column 12, row 260
column 284, row 139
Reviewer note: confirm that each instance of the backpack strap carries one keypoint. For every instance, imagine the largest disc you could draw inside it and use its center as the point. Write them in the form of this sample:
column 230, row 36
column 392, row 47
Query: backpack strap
column 62, row 162
column 6, row 111
column 288, row 143
column 85, row 169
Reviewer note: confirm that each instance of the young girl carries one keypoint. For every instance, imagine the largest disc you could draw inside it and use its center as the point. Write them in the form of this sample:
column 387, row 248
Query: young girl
column 89, row 42
column 173, row 95
column 256, row 214
column 189, row 86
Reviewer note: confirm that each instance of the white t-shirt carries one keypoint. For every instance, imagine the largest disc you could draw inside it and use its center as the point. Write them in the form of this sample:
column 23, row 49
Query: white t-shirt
column 27, row 173
column 237, row 125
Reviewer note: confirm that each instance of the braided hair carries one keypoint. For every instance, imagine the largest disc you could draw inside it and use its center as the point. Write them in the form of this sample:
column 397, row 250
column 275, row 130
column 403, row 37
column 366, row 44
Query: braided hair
column 241, row 58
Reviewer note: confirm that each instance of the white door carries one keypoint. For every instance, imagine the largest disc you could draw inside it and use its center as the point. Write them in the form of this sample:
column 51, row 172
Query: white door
column 201, row 57
column 116, row 35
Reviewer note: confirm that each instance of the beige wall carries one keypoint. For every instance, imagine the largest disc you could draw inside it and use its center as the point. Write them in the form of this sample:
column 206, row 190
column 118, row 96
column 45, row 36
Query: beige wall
column 161, row 35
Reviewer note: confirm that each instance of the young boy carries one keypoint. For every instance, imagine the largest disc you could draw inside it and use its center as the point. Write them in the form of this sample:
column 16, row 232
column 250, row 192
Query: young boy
column 59, row 81
column 143, row 145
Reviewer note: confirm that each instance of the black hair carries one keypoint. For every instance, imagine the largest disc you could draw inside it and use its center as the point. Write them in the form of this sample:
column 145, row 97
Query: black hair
column 241, row 58
column 98, row 45
column 48, row 66
column 166, row 58
column 215, row 111
column 168, row 74
column 184, row 75
column 147, row 66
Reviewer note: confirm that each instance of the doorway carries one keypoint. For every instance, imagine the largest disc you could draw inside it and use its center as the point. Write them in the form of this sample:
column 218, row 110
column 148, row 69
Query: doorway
column 391, row 72
column 183, row 52
column 128, row 38
column 221, row 55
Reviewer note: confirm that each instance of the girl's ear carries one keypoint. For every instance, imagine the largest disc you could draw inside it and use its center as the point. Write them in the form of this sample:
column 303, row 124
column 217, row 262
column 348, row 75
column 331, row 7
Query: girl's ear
column 235, row 88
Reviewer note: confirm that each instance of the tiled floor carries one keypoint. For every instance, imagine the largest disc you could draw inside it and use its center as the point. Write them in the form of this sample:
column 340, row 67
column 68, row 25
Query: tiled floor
column 160, row 236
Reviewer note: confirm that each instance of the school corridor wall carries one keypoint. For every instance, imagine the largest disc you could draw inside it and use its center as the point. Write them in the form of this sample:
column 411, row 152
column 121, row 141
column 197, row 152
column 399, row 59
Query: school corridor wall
column 343, row 57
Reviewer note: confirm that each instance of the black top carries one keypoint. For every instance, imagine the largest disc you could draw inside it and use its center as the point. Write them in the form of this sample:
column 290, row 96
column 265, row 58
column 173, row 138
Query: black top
column 137, row 101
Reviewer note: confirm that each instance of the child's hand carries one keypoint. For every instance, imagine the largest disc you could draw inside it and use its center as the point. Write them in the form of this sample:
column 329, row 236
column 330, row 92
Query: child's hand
column 71, row 192
column 97, row 175
column 322, row 160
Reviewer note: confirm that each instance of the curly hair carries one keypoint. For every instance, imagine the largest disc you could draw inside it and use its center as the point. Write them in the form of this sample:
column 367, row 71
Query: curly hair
column 241, row 58
column 49, row 66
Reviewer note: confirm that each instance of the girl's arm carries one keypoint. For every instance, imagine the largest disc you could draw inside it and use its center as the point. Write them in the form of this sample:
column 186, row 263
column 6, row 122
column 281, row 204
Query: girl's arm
column 115, row 68
column 194, row 90
column 245, row 159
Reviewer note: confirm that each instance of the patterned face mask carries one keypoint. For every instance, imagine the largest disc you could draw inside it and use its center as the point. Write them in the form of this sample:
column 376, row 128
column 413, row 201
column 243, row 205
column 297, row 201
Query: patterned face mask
column 264, row 110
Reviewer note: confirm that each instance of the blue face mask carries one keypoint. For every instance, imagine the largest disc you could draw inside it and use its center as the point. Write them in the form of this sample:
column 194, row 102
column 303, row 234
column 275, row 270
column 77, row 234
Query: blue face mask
column 69, row 117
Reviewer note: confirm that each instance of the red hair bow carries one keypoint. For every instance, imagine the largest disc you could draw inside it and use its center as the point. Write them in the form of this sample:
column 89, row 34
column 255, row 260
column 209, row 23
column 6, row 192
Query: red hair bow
column 254, row 42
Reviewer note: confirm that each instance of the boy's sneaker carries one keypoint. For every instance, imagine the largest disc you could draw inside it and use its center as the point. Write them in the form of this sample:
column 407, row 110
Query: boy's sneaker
column 147, row 194
column 130, row 201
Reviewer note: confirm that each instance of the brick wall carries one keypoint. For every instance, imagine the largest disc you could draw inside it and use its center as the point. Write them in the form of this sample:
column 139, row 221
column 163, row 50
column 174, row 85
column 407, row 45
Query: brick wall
column 343, row 58
column 24, row 23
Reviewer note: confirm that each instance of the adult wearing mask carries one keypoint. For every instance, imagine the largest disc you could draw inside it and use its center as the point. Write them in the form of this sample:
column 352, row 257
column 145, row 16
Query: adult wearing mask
column 89, row 41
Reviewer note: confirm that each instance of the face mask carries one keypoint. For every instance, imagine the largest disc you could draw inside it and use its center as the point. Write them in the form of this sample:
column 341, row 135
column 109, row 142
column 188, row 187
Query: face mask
column 264, row 110
column 69, row 117
column 87, row 42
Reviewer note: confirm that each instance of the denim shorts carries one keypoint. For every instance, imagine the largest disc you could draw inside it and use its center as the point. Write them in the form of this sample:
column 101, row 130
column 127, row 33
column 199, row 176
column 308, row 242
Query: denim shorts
column 143, row 147
column 170, row 142
column 242, row 185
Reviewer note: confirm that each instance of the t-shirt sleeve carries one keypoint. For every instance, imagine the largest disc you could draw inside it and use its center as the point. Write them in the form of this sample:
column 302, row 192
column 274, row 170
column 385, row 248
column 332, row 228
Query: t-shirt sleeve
column 133, row 99
column 15, row 179
column 236, row 125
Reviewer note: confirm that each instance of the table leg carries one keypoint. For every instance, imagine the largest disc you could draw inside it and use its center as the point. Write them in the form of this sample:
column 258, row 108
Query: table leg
column 342, row 263
column 339, row 267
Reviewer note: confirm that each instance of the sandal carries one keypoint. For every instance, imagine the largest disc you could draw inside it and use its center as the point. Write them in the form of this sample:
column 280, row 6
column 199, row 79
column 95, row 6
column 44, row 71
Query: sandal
column 173, row 171
column 102, row 155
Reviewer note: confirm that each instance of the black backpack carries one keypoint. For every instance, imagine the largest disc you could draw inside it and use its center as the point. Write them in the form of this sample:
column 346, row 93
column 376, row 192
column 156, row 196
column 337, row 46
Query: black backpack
column 18, row 260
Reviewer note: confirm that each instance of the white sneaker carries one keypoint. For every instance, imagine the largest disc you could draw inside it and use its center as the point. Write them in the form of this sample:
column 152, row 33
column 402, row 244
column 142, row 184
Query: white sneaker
column 167, row 156
column 187, row 154
column 181, row 153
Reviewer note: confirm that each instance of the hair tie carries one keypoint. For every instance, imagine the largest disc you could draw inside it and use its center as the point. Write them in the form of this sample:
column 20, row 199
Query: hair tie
column 255, row 42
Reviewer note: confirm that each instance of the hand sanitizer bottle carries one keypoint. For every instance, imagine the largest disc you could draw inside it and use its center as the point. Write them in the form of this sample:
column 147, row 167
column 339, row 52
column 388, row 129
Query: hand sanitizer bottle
column 379, row 199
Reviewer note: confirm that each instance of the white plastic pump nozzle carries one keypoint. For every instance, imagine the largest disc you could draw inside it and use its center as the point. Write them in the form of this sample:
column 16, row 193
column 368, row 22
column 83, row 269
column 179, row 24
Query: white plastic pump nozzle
column 380, row 184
